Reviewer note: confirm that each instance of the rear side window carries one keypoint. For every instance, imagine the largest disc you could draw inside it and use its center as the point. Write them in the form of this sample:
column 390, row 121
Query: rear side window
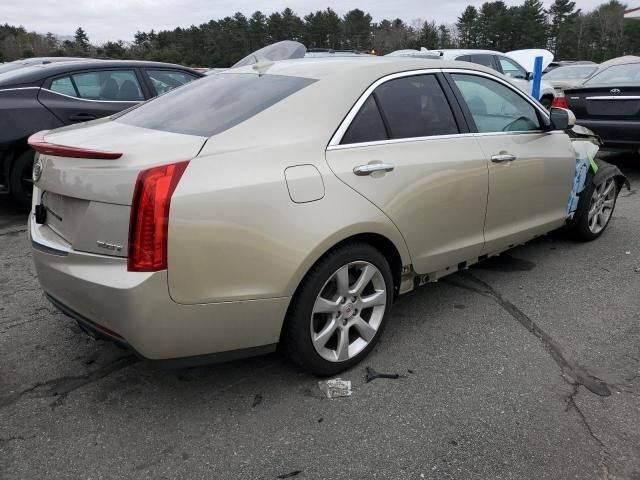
column 110, row 85
column 367, row 126
column 165, row 80
column 214, row 104
column 415, row 107
column 63, row 85
column 464, row 58
column 486, row 60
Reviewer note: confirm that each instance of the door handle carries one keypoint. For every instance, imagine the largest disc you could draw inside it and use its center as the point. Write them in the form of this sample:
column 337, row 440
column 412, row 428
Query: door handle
column 503, row 157
column 368, row 169
column 82, row 117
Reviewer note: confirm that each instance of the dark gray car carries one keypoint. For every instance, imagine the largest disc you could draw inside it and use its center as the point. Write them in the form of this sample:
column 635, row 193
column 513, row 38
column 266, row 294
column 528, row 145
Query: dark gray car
column 46, row 96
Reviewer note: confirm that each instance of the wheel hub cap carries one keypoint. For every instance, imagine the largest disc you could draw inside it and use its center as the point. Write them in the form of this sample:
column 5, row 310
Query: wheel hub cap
column 348, row 311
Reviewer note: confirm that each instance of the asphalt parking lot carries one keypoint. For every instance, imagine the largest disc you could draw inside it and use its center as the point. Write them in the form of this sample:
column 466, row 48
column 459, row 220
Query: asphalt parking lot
column 524, row 367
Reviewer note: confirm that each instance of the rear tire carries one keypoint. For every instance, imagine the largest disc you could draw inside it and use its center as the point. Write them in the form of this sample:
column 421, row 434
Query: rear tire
column 20, row 181
column 339, row 310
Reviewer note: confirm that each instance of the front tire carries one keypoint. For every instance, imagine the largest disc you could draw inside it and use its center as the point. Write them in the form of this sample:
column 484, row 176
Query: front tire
column 339, row 310
column 596, row 206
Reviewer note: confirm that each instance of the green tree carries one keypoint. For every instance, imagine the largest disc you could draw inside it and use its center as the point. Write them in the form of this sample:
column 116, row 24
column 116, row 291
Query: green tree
column 561, row 14
column 357, row 30
column 467, row 26
column 81, row 40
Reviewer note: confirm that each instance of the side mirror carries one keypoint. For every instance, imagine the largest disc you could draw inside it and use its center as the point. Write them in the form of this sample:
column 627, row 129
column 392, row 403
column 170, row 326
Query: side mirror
column 529, row 76
column 561, row 118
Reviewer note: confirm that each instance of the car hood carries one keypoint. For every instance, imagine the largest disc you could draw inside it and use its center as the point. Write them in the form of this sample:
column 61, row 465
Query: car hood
column 527, row 57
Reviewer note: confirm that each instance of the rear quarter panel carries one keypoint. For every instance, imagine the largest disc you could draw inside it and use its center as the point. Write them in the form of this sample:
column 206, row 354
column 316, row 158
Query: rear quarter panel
column 21, row 114
column 235, row 233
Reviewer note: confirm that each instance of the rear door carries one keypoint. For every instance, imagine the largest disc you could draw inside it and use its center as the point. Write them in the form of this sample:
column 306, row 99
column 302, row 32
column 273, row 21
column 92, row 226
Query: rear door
column 407, row 149
column 82, row 96
column 531, row 170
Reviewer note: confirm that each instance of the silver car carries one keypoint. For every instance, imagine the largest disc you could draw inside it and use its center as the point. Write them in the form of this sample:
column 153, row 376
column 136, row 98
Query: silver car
column 290, row 203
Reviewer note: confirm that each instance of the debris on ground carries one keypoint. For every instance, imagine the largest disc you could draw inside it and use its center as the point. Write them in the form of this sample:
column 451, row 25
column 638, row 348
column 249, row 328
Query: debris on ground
column 257, row 400
column 628, row 252
column 336, row 387
column 372, row 375
column 295, row 473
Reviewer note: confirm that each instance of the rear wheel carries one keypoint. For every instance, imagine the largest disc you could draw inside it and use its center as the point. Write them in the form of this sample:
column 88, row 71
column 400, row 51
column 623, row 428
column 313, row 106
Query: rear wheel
column 20, row 179
column 340, row 309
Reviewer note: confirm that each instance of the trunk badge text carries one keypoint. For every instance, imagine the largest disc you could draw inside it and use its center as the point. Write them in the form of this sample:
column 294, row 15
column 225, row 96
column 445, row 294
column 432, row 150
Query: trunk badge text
column 109, row 246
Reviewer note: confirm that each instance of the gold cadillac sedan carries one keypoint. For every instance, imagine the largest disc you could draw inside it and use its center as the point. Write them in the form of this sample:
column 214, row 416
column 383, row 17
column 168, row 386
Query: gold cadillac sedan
column 290, row 203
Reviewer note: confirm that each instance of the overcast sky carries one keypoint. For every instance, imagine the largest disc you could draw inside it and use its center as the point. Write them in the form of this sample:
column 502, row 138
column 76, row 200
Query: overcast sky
column 105, row 20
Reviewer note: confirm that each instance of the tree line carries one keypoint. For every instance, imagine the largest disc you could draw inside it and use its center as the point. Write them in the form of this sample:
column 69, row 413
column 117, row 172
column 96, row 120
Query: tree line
column 569, row 32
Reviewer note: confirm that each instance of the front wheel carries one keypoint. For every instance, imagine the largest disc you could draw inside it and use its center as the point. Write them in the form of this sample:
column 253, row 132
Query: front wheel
column 340, row 309
column 597, row 202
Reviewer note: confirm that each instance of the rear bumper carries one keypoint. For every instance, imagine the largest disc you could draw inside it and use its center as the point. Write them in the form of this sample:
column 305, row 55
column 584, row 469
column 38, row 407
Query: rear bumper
column 136, row 310
column 615, row 133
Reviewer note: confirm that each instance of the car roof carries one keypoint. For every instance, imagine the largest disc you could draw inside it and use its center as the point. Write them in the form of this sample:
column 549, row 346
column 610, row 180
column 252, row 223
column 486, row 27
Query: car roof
column 34, row 73
column 374, row 67
column 452, row 52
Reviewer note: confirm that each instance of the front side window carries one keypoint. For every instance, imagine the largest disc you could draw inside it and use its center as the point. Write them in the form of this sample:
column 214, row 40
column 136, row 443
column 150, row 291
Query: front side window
column 165, row 80
column 512, row 69
column 494, row 106
column 214, row 104
column 63, row 85
column 111, row 85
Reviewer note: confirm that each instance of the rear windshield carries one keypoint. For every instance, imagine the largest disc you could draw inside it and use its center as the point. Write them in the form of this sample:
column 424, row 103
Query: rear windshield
column 569, row 73
column 617, row 75
column 213, row 104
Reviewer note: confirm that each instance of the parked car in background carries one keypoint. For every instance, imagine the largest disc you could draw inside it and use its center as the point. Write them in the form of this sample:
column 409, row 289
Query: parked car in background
column 329, row 52
column 246, row 210
column 410, row 52
column 46, row 96
column 569, row 76
column 566, row 63
column 5, row 67
column 609, row 103
column 519, row 75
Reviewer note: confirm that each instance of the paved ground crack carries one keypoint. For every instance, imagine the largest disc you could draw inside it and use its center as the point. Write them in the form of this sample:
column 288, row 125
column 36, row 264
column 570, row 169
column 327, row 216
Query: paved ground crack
column 62, row 386
column 581, row 376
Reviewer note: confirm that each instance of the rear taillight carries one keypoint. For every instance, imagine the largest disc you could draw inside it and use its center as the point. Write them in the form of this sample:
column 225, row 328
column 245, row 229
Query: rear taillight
column 148, row 224
column 559, row 101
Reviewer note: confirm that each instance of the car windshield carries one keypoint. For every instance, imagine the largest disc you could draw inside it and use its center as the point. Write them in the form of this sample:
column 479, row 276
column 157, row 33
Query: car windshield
column 617, row 75
column 570, row 73
column 213, row 104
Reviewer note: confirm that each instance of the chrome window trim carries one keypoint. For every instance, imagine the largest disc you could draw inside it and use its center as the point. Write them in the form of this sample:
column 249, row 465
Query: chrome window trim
column 18, row 88
column 614, row 97
column 334, row 143
column 90, row 100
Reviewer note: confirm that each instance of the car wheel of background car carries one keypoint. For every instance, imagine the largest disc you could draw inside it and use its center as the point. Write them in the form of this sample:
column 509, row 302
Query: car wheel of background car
column 546, row 101
column 339, row 310
column 595, row 209
column 21, row 182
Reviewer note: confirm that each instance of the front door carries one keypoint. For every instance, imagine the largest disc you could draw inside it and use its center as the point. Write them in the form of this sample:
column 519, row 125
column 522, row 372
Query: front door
column 531, row 170
column 407, row 152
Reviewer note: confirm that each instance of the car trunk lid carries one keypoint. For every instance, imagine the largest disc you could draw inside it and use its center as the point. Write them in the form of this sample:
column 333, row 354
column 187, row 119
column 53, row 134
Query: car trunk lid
column 88, row 199
column 605, row 102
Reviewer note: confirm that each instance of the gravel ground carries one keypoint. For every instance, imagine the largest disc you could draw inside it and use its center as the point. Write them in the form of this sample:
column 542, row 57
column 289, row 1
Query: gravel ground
column 524, row 367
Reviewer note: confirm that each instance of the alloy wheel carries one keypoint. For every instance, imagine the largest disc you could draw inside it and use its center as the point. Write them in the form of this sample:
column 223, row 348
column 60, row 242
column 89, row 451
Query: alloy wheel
column 348, row 311
column 601, row 206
